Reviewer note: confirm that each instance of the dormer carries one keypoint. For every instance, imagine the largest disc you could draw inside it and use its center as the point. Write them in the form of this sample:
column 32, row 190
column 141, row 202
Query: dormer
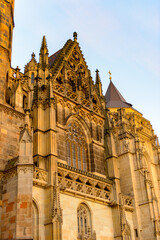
column 31, row 70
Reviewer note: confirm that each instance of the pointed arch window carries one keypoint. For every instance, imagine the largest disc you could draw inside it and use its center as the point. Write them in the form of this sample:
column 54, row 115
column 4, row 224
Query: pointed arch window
column 76, row 147
column 84, row 223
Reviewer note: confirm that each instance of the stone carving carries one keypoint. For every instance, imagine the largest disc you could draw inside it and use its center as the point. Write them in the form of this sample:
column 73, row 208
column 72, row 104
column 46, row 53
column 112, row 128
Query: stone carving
column 40, row 176
column 25, row 168
column 126, row 144
column 76, row 56
column 127, row 201
column 125, row 228
column 71, row 181
column 85, row 102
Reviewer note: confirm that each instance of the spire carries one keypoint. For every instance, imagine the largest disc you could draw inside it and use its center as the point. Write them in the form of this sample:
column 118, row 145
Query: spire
column 98, row 82
column 114, row 99
column 43, row 56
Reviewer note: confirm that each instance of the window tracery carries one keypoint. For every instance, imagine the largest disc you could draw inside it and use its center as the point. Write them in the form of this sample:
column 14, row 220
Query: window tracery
column 84, row 222
column 76, row 147
column 71, row 81
column 81, row 71
column 76, row 56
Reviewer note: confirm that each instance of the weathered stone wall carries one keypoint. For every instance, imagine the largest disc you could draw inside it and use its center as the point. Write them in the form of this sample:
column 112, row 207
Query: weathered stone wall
column 61, row 144
column 10, row 122
column 42, row 198
column 9, row 200
column 101, row 218
column 6, row 28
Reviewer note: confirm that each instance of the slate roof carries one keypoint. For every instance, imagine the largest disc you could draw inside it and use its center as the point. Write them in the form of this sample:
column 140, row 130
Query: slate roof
column 53, row 57
column 114, row 99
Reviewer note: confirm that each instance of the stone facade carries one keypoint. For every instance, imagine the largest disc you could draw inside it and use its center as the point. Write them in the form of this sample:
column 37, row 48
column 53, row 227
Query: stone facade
column 74, row 164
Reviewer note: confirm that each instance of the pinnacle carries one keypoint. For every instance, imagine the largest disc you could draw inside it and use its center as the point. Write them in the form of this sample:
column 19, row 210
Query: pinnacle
column 44, row 43
column 97, row 76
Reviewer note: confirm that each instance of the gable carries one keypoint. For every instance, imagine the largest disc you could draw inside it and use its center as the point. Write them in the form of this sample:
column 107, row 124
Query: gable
column 25, row 136
column 72, row 78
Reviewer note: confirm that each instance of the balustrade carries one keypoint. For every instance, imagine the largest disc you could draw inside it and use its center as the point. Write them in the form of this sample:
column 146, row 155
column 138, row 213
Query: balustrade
column 40, row 176
column 89, row 186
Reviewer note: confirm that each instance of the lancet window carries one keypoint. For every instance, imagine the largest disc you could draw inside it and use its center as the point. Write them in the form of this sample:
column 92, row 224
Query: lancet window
column 76, row 146
column 84, row 222
column 32, row 78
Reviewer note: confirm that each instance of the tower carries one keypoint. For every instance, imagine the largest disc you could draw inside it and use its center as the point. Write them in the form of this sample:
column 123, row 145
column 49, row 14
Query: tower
column 6, row 30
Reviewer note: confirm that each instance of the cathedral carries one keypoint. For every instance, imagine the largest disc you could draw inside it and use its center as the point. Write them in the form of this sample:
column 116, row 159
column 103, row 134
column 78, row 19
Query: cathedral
column 74, row 164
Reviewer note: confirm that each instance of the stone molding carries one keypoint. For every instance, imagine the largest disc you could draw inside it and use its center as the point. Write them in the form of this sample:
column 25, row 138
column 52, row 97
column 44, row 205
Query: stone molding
column 25, row 168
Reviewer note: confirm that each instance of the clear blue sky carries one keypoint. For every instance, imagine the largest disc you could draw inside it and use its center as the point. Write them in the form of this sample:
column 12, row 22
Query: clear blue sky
column 121, row 36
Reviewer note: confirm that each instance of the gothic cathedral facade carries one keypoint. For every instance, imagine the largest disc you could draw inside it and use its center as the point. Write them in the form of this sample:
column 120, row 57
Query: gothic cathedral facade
column 74, row 164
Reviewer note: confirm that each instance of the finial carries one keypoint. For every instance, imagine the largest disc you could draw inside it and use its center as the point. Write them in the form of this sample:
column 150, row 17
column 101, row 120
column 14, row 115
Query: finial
column 97, row 71
column 75, row 36
column 110, row 75
column 18, row 69
column 33, row 55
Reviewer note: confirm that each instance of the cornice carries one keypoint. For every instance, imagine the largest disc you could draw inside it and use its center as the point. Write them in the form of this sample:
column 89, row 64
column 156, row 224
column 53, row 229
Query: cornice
column 10, row 110
column 62, row 165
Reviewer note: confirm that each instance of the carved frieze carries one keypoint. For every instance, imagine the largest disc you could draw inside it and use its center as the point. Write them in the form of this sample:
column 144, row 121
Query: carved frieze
column 25, row 168
column 71, row 180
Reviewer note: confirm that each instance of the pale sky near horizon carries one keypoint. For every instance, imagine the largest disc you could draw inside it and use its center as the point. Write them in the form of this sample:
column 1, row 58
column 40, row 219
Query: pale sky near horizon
column 120, row 36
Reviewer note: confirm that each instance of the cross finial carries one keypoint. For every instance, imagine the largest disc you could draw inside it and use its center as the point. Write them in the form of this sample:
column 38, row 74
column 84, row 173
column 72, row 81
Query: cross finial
column 110, row 75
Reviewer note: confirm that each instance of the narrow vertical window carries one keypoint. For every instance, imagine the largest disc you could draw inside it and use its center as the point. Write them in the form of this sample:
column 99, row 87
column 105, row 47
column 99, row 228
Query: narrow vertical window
column 68, row 153
column 79, row 157
column 78, row 226
column 85, row 225
column 32, row 78
column 84, row 158
column 74, row 155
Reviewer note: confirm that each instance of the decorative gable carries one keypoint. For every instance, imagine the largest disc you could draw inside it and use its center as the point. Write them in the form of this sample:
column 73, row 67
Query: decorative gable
column 25, row 148
column 72, row 78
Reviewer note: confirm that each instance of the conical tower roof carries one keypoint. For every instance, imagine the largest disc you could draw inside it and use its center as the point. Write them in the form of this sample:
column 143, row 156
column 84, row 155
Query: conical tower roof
column 114, row 99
